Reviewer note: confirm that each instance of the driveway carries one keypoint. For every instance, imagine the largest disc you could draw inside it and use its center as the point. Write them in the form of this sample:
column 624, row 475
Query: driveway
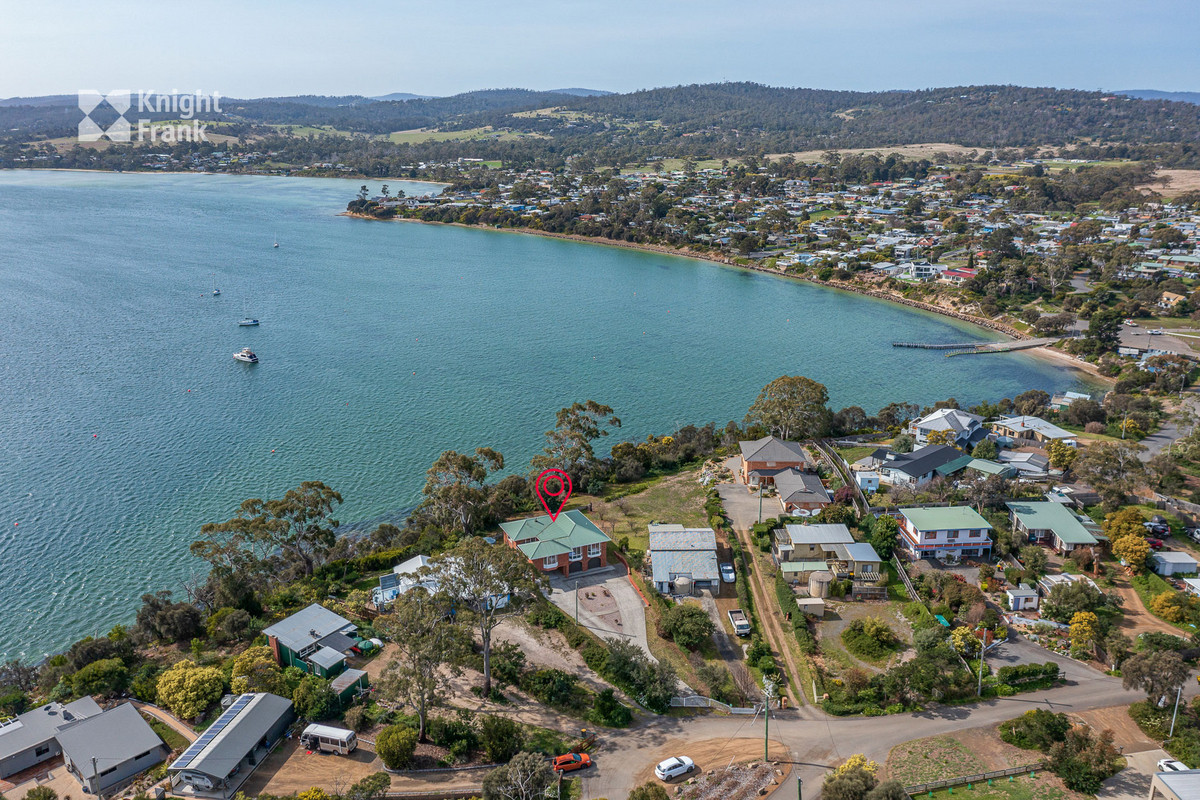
column 727, row 645
column 741, row 505
column 1133, row 782
column 1170, row 431
column 1018, row 650
column 607, row 604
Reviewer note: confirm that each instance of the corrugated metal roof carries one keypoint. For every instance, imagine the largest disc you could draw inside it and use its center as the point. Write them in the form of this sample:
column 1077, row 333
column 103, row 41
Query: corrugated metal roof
column 699, row 565
column 825, row 533
column 240, row 731
column 1051, row 516
column 682, row 539
column 114, row 737
column 946, row 518
column 297, row 631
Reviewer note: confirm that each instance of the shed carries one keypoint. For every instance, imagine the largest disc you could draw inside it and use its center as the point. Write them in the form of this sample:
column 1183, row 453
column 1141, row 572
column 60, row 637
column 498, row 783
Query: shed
column 1172, row 562
column 813, row 606
column 1022, row 598
column 1192, row 586
column 348, row 684
column 867, row 480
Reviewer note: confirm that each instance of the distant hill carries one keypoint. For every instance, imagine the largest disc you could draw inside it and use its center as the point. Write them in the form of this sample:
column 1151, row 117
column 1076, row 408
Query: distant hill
column 1155, row 94
column 45, row 100
column 577, row 92
column 400, row 97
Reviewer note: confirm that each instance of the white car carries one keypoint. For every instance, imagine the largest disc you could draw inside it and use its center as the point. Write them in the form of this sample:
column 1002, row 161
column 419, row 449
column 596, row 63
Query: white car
column 1165, row 765
column 674, row 767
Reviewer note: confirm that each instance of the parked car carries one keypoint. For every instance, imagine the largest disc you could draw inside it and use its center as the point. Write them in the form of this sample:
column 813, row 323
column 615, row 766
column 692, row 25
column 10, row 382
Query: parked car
column 571, row 761
column 1194, row 534
column 728, row 574
column 1155, row 544
column 1171, row 765
column 674, row 767
column 1158, row 528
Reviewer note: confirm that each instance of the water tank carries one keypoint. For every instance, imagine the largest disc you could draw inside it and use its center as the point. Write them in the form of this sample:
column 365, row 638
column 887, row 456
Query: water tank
column 818, row 584
column 683, row 586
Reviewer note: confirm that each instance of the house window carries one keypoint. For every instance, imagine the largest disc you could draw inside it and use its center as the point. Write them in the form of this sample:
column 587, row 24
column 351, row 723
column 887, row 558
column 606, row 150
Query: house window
column 41, row 750
column 952, row 534
column 931, row 535
column 550, row 562
column 576, row 554
column 593, row 550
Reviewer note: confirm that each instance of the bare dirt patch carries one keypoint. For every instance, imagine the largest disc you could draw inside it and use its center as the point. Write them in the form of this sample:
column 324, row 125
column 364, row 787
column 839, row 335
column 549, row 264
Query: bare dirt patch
column 711, row 754
column 1181, row 180
column 1126, row 733
column 927, row 150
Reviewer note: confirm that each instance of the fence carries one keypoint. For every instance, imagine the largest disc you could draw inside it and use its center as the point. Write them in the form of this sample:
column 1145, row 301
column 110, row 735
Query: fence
column 971, row 779
column 903, row 573
column 697, row 701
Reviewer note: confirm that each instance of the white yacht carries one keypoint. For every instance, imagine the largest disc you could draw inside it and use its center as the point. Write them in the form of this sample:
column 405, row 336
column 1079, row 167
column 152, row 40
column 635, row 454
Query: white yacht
column 247, row 322
column 247, row 355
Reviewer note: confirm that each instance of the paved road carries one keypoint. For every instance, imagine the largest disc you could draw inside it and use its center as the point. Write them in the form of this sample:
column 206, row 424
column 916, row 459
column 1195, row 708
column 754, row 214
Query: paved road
column 818, row 743
column 1171, row 429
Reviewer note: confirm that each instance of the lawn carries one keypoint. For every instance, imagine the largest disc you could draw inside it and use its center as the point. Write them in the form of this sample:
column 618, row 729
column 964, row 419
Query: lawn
column 675, row 498
column 418, row 135
column 1021, row 787
column 852, row 454
column 932, row 759
column 172, row 737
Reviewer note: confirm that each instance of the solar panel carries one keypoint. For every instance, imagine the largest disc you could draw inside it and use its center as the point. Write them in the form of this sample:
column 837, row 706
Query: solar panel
column 195, row 748
column 389, row 581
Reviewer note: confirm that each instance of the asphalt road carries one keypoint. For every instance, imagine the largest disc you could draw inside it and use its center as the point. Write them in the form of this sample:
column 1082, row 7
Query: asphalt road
column 819, row 743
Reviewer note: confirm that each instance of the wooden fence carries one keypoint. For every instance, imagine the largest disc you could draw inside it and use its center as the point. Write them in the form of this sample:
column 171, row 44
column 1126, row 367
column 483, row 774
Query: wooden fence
column 982, row 777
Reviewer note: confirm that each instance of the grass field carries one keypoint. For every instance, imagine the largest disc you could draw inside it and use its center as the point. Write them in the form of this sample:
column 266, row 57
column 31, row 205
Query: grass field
column 470, row 134
column 172, row 737
column 1020, row 788
column 676, row 498
column 933, row 759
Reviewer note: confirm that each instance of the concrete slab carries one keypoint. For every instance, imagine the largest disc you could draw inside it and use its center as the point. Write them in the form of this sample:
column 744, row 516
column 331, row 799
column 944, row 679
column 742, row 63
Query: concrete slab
column 608, row 605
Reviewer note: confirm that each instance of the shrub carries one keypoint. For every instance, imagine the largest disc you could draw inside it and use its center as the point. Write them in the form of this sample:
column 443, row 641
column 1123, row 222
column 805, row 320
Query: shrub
column 188, row 689
column 502, row 738
column 395, row 745
column 608, row 710
column 869, row 638
column 1037, row 729
column 687, row 624
column 451, row 731
column 356, row 718
column 649, row 791
column 314, row 699
column 105, row 677
column 551, row 686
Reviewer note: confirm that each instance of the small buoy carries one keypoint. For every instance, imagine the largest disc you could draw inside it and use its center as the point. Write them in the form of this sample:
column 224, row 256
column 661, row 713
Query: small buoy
column 272, row 450
column 414, row 372
column 15, row 524
column 95, row 435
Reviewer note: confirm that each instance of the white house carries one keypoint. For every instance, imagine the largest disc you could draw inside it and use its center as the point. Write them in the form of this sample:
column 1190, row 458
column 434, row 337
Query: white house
column 964, row 428
column 1022, row 598
column 955, row 530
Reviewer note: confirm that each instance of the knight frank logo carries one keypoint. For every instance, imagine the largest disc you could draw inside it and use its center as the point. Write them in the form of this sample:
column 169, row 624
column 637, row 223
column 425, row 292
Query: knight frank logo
column 177, row 115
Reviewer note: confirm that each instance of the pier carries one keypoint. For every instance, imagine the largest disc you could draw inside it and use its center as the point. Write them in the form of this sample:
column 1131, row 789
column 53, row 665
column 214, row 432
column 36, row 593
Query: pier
column 972, row 348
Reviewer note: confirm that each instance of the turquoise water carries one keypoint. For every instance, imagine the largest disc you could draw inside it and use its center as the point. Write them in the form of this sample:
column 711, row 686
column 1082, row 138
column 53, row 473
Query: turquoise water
column 125, row 423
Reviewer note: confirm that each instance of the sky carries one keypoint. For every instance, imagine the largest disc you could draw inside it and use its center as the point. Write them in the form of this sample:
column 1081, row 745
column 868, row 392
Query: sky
column 258, row 48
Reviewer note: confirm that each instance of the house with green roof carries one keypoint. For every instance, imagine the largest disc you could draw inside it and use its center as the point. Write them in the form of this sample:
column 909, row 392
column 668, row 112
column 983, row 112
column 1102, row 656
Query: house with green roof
column 569, row 544
column 1047, row 522
column 953, row 530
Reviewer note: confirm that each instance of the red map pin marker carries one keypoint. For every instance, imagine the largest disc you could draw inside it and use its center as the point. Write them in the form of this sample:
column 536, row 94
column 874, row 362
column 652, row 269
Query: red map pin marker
column 553, row 487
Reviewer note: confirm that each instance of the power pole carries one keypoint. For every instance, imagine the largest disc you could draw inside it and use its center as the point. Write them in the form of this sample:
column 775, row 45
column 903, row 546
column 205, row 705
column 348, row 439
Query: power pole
column 1175, row 713
column 768, row 693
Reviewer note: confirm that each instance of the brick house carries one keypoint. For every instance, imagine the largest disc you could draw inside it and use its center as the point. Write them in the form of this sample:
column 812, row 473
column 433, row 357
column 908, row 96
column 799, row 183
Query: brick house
column 572, row 543
column 763, row 459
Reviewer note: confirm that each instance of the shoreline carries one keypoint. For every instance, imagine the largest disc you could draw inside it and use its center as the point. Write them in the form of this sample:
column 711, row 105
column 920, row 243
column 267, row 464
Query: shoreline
column 229, row 174
column 1045, row 352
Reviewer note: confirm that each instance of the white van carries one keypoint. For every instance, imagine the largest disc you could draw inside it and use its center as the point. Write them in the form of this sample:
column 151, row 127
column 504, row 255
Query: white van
column 329, row 739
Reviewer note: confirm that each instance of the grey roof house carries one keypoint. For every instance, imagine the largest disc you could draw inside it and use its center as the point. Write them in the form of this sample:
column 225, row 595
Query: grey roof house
column 31, row 738
column 800, row 491
column 763, row 459
column 314, row 639
column 220, row 761
column 916, row 468
column 677, row 552
column 106, row 751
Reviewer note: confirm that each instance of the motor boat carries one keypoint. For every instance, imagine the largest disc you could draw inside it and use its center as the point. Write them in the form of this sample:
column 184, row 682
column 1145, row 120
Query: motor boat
column 247, row 355
column 248, row 322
